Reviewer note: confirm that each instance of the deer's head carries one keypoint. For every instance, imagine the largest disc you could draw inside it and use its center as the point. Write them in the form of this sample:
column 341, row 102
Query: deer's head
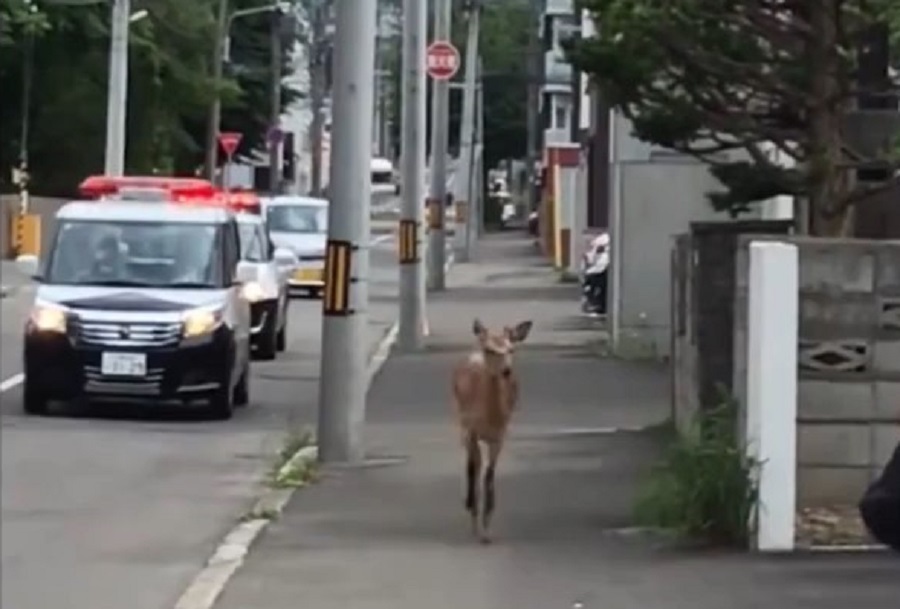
column 497, row 348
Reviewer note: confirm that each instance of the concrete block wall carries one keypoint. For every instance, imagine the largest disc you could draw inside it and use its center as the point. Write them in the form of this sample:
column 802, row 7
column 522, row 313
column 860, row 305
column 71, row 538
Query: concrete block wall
column 848, row 362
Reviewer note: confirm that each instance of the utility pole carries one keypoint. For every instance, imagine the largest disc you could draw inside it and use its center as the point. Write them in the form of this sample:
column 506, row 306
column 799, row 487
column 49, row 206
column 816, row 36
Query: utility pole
column 317, row 58
column 476, row 169
column 534, row 56
column 274, row 135
column 463, row 180
column 117, row 94
column 215, row 109
column 345, row 303
column 437, row 194
column 412, row 132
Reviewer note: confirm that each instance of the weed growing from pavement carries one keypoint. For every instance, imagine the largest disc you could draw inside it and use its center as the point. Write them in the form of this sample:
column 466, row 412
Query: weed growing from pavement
column 260, row 514
column 288, row 471
column 705, row 487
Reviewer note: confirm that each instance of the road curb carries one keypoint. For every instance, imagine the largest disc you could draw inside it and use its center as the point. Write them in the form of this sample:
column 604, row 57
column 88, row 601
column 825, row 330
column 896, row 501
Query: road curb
column 208, row 585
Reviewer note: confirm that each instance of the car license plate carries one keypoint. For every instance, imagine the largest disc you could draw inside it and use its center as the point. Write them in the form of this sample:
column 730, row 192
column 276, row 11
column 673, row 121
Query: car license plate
column 123, row 364
column 308, row 275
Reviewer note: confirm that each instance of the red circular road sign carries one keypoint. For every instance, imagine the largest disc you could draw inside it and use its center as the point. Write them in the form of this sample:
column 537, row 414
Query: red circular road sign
column 229, row 141
column 442, row 60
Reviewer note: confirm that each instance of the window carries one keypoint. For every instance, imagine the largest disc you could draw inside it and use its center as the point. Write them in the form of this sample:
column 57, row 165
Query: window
column 310, row 219
column 560, row 116
column 382, row 177
column 141, row 254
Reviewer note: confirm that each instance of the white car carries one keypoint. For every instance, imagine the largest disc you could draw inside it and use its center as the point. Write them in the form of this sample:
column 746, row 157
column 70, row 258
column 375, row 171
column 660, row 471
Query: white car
column 267, row 292
column 300, row 224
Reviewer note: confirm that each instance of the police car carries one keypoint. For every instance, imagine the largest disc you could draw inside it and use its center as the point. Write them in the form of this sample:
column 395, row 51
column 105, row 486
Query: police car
column 268, row 291
column 139, row 301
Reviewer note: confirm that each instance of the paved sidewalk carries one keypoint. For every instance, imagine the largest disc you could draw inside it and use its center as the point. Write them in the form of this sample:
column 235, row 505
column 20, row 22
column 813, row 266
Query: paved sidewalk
column 394, row 534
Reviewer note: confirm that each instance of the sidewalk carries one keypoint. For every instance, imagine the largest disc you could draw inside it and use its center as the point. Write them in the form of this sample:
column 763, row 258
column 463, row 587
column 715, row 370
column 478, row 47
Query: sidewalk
column 394, row 534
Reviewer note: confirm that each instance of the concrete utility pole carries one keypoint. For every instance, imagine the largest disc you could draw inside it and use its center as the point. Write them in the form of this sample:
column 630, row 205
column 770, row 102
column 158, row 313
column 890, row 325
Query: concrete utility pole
column 342, row 388
column 437, row 194
column 412, row 133
column 464, row 177
column 275, row 138
column 215, row 110
column 117, row 94
column 533, row 59
column 317, row 60
column 476, row 186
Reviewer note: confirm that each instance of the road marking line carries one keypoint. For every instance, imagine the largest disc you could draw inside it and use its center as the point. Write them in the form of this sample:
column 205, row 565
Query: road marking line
column 208, row 585
column 13, row 381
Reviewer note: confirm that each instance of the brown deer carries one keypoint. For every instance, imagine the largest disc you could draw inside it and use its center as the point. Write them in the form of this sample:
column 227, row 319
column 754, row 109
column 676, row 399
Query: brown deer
column 485, row 390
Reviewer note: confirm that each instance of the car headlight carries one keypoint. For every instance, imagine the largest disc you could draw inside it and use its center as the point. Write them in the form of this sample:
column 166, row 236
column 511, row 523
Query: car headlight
column 200, row 322
column 48, row 318
column 253, row 291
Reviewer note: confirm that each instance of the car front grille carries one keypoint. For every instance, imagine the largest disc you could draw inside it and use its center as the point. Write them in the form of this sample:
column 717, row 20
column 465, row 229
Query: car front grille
column 116, row 334
column 151, row 384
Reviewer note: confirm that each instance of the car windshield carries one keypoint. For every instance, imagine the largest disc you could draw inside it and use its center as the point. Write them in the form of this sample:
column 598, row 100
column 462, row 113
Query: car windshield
column 298, row 218
column 252, row 242
column 140, row 254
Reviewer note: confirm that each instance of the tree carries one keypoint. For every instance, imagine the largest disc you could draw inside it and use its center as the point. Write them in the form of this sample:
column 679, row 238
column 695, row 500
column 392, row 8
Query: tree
column 503, row 45
column 712, row 78
column 65, row 50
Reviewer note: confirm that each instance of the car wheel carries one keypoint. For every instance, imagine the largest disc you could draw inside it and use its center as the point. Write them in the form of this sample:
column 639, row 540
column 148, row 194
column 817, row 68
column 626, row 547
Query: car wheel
column 281, row 339
column 221, row 404
column 268, row 340
column 34, row 400
column 242, row 389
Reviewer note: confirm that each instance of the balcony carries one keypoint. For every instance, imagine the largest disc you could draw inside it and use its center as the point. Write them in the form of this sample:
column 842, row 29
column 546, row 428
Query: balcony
column 557, row 71
column 559, row 7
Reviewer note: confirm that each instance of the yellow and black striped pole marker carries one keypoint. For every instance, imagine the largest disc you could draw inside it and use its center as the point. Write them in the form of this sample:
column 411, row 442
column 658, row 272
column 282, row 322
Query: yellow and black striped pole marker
column 408, row 242
column 462, row 212
column 338, row 277
column 435, row 214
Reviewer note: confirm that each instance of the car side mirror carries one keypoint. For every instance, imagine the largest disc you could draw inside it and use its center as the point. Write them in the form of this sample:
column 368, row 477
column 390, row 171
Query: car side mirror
column 285, row 258
column 29, row 265
column 245, row 272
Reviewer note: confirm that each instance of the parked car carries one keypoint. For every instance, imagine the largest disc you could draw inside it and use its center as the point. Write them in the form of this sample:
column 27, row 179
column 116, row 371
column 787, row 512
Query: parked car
column 267, row 292
column 139, row 301
column 300, row 224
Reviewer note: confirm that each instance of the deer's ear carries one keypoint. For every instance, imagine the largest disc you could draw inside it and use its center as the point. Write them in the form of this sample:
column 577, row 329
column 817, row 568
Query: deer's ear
column 520, row 332
column 478, row 328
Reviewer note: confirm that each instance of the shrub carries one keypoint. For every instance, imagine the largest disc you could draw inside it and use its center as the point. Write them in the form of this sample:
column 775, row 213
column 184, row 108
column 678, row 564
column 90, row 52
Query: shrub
column 705, row 487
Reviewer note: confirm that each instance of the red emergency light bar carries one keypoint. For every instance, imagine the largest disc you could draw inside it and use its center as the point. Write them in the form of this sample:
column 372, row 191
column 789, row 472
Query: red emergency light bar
column 97, row 187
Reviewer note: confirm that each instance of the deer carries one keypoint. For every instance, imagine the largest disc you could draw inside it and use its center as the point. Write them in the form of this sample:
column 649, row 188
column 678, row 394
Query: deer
column 485, row 392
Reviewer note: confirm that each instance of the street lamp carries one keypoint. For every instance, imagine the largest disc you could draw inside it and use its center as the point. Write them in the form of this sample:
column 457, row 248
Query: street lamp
column 223, row 56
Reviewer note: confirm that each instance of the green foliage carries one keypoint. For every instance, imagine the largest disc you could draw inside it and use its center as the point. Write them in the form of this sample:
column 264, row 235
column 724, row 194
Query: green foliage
column 705, row 487
column 170, row 86
column 728, row 82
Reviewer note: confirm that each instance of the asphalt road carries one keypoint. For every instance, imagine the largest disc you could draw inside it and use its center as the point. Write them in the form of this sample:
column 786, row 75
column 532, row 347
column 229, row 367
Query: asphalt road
column 121, row 506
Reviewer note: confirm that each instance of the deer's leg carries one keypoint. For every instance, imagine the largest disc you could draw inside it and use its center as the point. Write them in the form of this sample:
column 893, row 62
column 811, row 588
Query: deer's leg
column 489, row 491
column 473, row 472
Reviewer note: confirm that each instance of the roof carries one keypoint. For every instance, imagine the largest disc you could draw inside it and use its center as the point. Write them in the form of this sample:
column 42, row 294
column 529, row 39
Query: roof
column 295, row 200
column 133, row 211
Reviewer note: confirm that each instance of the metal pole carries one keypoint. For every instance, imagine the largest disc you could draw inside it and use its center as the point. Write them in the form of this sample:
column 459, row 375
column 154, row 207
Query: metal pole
column 317, row 50
column 342, row 389
column 437, row 193
column 275, row 108
column 117, row 90
column 412, row 133
column 215, row 109
column 463, row 179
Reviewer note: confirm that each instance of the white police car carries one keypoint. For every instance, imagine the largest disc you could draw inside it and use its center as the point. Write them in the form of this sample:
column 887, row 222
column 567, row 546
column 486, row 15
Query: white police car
column 267, row 292
column 139, row 301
